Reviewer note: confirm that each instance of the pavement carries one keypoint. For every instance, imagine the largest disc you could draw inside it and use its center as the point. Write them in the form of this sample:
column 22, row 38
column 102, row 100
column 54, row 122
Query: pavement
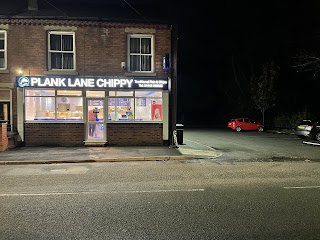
column 52, row 155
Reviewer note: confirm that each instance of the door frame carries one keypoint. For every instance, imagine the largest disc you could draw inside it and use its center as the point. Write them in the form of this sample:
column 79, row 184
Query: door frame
column 87, row 122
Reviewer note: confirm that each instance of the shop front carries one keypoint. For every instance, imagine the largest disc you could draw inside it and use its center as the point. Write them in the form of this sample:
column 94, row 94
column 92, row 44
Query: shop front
column 103, row 110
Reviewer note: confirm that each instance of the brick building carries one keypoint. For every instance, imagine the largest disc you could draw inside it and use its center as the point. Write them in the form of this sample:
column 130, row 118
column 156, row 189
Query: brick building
column 56, row 73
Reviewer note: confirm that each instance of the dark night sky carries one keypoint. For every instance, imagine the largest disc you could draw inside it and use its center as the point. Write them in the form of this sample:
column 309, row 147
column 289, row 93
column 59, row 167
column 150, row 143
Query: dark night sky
column 213, row 35
column 247, row 34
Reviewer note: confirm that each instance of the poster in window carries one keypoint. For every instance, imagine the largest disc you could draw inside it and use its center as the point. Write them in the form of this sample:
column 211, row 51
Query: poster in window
column 156, row 111
column 142, row 102
column 123, row 102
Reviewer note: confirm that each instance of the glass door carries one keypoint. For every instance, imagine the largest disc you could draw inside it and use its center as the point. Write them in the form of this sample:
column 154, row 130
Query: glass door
column 95, row 124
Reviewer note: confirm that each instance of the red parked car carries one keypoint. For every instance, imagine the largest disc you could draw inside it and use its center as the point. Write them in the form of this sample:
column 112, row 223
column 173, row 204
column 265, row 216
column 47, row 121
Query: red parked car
column 245, row 124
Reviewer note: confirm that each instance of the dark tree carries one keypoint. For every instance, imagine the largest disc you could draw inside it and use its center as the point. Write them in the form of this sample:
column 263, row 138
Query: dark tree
column 262, row 88
column 307, row 61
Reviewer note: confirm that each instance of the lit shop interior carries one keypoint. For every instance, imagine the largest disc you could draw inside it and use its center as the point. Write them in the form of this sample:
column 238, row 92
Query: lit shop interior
column 71, row 105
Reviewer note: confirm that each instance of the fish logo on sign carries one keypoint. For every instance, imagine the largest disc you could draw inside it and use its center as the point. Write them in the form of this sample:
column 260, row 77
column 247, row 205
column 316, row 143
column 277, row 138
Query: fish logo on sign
column 24, row 82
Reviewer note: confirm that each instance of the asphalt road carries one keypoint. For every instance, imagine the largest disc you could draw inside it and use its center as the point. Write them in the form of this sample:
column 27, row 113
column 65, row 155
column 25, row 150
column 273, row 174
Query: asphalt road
column 250, row 145
column 195, row 199
column 261, row 186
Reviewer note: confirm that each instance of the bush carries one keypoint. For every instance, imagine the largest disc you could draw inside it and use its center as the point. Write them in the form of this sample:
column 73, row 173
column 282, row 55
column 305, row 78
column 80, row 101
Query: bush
column 288, row 121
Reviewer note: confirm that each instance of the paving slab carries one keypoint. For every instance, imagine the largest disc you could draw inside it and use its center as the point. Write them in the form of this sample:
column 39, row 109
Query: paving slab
column 52, row 155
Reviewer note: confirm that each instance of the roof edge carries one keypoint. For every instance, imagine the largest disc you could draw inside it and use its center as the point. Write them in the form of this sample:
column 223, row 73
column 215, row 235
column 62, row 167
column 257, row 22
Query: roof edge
column 56, row 21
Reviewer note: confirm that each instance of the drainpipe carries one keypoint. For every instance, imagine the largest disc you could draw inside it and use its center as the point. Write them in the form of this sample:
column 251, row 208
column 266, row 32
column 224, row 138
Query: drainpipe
column 174, row 84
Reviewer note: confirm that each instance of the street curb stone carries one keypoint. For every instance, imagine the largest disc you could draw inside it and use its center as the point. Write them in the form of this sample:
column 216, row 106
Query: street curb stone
column 126, row 159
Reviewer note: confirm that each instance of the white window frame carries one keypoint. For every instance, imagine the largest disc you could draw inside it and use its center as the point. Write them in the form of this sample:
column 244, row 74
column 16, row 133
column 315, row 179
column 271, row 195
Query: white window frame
column 140, row 54
column 5, row 49
column 55, row 51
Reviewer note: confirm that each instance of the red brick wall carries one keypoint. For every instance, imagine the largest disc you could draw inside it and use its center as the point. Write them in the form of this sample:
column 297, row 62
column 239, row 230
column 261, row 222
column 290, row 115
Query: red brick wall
column 100, row 48
column 72, row 134
column 134, row 134
column 54, row 134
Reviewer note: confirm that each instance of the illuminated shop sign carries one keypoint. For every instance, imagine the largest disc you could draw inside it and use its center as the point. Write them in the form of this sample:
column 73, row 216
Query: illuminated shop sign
column 91, row 82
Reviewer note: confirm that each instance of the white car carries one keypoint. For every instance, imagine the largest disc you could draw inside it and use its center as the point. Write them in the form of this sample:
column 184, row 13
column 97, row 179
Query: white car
column 303, row 129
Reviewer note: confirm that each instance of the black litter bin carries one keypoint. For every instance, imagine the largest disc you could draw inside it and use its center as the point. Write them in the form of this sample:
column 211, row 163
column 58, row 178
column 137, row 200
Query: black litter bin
column 179, row 128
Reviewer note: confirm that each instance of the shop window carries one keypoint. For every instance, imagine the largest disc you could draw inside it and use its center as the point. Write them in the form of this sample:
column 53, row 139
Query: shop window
column 148, row 109
column 149, row 94
column 3, row 49
column 69, row 108
column 43, row 105
column 69, row 93
column 39, row 92
column 121, row 93
column 61, row 51
column 120, row 109
column 39, row 108
column 146, row 106
column 96, row 94
column 140, row 50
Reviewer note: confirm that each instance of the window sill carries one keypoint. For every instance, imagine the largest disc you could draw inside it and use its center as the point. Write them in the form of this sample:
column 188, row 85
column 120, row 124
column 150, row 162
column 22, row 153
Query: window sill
column 137, row 121
column 61, row 72
column 53, row 121
column 4, row 71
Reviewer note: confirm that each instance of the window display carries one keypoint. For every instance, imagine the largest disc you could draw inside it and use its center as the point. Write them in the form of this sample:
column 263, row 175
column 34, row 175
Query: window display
column 148, row 105
column 59, row 105
column 69, row 108
column 120, row 109
column 40, row 108
column 43, row 104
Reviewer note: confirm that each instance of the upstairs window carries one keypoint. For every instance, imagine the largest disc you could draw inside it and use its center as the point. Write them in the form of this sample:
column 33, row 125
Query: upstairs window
column 3, row 49
column 140, row 53
column 61, row 51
